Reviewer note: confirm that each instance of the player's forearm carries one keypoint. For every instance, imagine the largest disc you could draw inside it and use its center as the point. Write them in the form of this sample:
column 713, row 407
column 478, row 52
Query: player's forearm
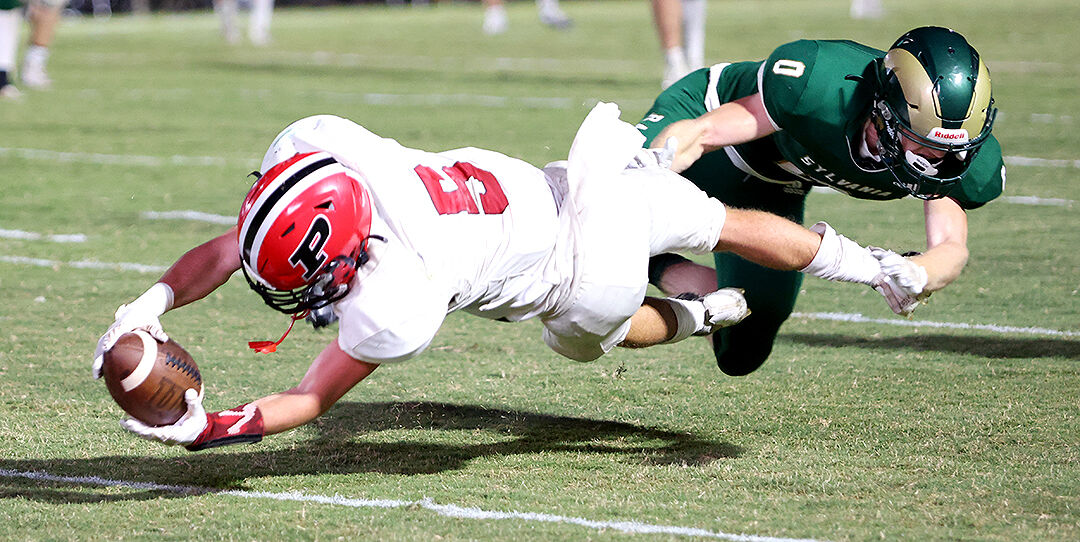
column 767, row 239
column 688, row 134
column 943, row 263
column 288, row 410
column 331, row 375
column 203, row 269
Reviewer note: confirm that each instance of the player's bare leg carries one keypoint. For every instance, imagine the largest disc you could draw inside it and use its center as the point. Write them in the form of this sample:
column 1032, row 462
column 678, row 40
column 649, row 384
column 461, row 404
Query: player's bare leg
column 673, row 319
column 44, row 16
column 667, row 15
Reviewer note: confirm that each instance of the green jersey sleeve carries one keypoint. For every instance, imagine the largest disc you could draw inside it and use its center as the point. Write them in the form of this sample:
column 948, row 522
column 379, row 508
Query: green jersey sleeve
column 985, row 180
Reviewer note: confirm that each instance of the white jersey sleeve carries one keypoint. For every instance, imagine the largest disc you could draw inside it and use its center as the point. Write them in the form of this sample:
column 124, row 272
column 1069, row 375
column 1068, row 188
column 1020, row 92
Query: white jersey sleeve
column 394, row 308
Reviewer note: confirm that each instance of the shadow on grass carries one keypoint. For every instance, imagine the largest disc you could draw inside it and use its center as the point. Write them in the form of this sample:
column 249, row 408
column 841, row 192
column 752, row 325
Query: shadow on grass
column 987, row 347
column 348, row 441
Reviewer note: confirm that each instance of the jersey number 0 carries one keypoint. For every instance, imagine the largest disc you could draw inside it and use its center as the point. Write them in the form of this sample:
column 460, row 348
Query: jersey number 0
column 461, row 188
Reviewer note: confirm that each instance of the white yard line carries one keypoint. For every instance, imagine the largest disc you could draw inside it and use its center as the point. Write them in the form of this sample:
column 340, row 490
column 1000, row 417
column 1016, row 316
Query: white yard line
column 35, row 236
column 196, row 216
column 1035, row 200
column 217, row 161
column 835, row 316
column 83, row 264
column 123, row 159
column 447, row 510
column 996, row 328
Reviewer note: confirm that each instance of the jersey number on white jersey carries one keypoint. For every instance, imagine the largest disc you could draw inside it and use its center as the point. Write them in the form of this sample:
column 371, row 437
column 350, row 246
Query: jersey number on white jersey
column 464, row 188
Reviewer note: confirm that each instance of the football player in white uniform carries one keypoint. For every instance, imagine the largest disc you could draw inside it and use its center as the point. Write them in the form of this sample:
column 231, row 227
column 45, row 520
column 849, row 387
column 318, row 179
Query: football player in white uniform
column 393, row 239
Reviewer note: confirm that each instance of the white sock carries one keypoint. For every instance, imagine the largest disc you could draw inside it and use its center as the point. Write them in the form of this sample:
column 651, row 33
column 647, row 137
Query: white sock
column 226, row 11
column 35, row 58
column 9, row 39
column 694, row 32
column 690, row 316
column 675, row 57
column 548, row 6
column 261, row 12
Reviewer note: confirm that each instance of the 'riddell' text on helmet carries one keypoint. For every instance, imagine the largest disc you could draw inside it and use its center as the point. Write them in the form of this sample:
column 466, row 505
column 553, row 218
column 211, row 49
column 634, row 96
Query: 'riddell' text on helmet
column 303, row 228
column 933, row 110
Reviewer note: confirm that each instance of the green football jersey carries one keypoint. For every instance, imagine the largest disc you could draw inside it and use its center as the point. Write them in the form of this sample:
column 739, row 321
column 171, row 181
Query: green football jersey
column 818, row 96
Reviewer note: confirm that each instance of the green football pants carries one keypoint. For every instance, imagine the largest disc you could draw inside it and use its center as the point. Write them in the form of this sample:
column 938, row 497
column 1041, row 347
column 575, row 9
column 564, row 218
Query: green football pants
column 770, row 294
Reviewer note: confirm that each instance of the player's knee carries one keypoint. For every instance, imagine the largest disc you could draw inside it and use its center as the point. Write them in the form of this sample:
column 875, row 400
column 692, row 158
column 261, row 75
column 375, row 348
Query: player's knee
column 740, row 358
column 742, row 348
column 660, row 263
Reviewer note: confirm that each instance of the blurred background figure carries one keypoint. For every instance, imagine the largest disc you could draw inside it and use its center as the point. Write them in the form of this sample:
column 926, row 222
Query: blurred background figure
column 867, row 9
column 44, row 16
column 496, row 22
column 258, row 22
column 9, row 44
column 680, row 24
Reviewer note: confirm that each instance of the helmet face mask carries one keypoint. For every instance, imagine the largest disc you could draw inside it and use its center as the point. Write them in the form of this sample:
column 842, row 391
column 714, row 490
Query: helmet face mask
column 933, row 110
column 303, row 231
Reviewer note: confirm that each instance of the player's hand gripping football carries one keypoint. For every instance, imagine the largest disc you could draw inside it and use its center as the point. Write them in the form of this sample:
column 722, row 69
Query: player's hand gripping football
column 128, row 319
column 197, row 430
column 142, row 313
column 902, row 282
column 184, row 432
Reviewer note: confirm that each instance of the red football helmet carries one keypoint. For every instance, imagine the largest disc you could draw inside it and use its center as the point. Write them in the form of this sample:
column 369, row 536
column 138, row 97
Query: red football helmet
column 303, row 231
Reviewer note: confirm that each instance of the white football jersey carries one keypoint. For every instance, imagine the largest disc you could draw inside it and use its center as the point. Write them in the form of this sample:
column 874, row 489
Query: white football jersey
column 479, row 231
column 465, row 229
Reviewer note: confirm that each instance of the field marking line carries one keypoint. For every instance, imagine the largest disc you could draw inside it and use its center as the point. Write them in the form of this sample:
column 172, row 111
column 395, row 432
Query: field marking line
column 1035, row 200
column 834, row 316
column 83, row 264
column 196, row 216
column 35, row 236
column 447, row 510
column 860, row 319
column 123, row 159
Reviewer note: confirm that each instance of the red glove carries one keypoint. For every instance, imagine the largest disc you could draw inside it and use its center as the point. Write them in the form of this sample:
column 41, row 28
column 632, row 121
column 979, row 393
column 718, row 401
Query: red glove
column 237, row 426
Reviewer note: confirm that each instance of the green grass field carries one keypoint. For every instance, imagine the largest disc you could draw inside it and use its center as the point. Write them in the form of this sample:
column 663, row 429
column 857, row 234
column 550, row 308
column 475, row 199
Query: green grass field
column 854, row 430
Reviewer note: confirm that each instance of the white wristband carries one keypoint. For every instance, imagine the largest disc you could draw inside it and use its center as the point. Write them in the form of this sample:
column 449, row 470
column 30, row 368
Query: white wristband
column 841, row 259
column 156, row 300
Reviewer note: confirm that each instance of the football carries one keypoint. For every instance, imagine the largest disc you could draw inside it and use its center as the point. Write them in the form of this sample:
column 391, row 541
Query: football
column 148, row 379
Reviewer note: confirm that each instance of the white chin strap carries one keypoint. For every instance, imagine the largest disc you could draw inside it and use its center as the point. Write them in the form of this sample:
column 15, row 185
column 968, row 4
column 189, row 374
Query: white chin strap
column 921, row 164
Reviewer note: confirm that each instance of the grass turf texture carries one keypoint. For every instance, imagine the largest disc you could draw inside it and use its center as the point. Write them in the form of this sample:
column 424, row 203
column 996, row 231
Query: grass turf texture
column 850, row 431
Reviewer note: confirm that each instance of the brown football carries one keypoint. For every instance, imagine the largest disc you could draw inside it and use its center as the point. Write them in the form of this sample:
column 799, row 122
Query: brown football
column 148, row 379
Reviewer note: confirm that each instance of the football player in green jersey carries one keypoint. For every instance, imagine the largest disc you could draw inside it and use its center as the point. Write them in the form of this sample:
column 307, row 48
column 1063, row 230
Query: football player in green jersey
column 914, row 120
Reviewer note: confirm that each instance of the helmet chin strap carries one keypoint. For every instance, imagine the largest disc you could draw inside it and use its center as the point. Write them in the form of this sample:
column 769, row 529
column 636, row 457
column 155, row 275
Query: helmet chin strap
column 267, row 347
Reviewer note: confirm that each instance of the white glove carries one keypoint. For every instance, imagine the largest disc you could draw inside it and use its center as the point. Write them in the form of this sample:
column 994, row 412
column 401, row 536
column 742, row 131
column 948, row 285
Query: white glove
column 652, row 158
column 909, row 276
column 141, row 314
column 183, row 432
column 899, row 301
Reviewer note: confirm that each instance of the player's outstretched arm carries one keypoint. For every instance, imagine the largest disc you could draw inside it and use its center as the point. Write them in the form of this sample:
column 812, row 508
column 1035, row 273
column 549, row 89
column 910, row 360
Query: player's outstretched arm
column 203, row 269
column 331, row 375
column 946, row 243
column 732, row 123
column 197, row 273
column 778, row 243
